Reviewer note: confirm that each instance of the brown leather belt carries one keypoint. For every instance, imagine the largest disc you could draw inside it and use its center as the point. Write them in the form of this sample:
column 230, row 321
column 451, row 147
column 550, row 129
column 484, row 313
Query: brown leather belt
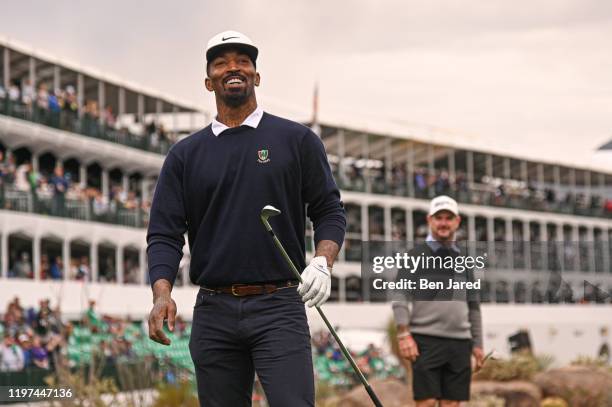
column 242, row 290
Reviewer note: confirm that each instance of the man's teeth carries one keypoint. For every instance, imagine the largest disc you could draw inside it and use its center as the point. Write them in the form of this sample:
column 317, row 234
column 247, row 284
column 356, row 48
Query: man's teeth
column 234, row 80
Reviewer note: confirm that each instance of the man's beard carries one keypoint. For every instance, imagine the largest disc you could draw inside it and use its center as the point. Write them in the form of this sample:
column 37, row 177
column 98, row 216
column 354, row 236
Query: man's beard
column 236, row 99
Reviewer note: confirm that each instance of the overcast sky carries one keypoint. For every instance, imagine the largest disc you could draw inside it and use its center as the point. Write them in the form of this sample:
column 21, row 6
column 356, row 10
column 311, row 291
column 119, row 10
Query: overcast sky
column 514, row 71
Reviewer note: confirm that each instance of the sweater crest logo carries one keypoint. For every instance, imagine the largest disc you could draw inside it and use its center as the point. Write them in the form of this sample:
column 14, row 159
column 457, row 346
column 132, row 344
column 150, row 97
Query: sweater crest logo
column 263, row 156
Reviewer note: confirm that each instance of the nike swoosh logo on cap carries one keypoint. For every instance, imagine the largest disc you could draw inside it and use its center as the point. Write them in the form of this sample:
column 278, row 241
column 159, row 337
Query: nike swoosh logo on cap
column 227, row 38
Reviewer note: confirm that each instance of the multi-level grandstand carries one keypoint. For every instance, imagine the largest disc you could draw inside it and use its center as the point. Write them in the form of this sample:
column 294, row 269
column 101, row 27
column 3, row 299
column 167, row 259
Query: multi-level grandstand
column 80, row 150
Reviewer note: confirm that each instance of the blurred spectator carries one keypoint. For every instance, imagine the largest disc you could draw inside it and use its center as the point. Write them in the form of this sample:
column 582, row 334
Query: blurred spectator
column 60, row 186
column 22, row 267
column 12, row 358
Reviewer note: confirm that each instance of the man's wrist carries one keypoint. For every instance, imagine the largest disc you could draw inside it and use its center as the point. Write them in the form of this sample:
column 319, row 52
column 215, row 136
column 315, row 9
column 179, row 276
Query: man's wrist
column 161, row 289
column 403, row 331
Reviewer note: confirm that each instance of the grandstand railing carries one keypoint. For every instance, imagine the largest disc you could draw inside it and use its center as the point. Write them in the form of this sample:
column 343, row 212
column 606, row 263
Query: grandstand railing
column 478, row 194
column 14, row 199
column 84, row 124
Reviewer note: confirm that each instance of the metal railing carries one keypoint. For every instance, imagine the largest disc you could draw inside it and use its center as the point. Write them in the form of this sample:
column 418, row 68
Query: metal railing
column 83, row 124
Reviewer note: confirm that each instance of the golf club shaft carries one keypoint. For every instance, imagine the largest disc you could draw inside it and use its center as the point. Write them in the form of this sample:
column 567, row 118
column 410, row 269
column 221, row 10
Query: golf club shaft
column 345, row 352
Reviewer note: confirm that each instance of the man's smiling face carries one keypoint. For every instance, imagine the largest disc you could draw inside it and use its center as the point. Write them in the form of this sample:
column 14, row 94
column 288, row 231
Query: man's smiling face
column 232, row 76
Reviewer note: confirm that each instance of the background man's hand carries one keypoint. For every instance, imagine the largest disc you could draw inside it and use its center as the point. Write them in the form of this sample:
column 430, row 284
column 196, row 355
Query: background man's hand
column 164, row 308
column 478, row 354
column 408, row 347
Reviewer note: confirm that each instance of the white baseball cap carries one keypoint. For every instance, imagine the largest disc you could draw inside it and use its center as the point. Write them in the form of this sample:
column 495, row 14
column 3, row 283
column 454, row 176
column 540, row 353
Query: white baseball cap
column 443, row 203
column 231, row 38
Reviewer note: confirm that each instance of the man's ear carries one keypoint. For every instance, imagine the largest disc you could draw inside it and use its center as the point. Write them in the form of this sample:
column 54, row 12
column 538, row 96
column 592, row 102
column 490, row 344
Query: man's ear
column 257, row 79
column 208, row 84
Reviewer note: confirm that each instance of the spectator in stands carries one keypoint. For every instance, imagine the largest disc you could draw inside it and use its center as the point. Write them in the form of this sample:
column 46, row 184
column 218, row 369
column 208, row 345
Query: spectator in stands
column 38, row 354
column 28, row 96
column 55, row 271
column 12, row 358
column 60, row 186
column 83, row 270
column 14, row 94
column 70, row 109
column 22, row 267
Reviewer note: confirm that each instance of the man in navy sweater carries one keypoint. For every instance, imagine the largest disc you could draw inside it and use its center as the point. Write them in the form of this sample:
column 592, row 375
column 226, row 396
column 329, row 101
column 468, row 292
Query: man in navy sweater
column 249, row 314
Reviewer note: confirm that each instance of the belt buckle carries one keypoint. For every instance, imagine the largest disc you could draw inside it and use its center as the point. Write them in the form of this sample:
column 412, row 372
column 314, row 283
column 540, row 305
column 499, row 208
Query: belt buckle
column 234, row 288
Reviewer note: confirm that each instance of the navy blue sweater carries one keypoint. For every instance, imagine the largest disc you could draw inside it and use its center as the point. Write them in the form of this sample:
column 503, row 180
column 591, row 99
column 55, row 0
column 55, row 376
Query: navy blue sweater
column 214, row 188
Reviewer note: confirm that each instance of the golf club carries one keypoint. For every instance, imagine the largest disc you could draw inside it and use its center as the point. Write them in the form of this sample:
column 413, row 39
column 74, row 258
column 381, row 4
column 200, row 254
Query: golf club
column 267, row 212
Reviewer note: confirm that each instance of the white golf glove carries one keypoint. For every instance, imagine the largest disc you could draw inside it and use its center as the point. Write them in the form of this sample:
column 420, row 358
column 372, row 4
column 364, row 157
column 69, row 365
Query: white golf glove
column 316, row 282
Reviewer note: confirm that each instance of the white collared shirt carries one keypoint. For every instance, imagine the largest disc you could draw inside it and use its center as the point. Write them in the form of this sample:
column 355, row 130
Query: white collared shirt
column 252, row 120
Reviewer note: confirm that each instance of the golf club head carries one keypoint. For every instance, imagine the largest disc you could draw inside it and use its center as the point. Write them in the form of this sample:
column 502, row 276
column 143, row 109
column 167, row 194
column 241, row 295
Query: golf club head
column 268, row 211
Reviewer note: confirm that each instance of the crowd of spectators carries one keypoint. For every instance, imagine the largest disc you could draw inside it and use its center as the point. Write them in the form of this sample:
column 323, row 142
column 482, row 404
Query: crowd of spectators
column 332, row 367
column 486, row 191
column 60, row 108
column 51, row 192
column 32, row 338
column 40, row 339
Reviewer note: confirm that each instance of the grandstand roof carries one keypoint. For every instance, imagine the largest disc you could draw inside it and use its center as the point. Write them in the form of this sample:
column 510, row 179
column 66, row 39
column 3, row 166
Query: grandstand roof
column 18, row 46
column 583, row 154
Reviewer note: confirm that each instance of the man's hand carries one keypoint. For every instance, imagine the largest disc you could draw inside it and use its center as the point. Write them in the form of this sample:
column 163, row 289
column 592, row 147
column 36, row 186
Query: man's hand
column 164, row 307
column 407, row 346
column 478, row 354
column 316, row 282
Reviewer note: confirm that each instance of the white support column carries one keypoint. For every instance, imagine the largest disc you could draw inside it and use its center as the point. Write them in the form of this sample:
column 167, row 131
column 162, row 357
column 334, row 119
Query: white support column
column 83, row 175
column 388, row 163
column 491, row 235
column 409, row 226
column 5, row 251
column 587, row 183
column 557, row 180
column 36, row 255
column 80, row 92
column 144, row 188
column 365, row 152
column 175, row 118
column 101, row 99
column 35, row 161
column 576, row 243
column 105, row 182
column 526, row 243
column 387, row 222
column 540, row 169
column 509, row 236
column 489, row 165
column 93, row 261
column 507, row 170
column 342, row 289
column 142, row 264
column 524, row 172
column 121, row 102
column 125, row 181
column 544, row 245
column 365, row 223
column 6, row 71
column 56, row 77
column 431, row 169
column 470, row 168
column 32, row 73
column 410, row 172
column 66, row 258
column 119, row 263
column 452, row 171
column 159, row 107
column 141, row 108
column 341, row 157
column 472, row 234
column 591, row 248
